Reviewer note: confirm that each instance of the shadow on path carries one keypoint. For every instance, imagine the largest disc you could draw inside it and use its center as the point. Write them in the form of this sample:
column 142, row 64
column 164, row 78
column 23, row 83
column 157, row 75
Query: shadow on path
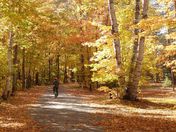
column 66, row 113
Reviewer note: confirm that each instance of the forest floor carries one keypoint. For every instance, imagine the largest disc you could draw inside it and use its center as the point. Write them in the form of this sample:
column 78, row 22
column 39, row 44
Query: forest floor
column 154, row 112
column 14, row 115
column 77, row 110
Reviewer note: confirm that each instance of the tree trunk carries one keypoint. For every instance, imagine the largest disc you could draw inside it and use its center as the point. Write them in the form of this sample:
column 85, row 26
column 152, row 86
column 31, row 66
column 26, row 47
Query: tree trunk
column 37, row 78
column 133, row 87
column 3, row 40
column 58, row 67
column 65, row 71
column 23, row 69
column 29, row 79
column 157, row 76
column 15, row 72
column 135, row 46
column 4, row 92
column 138, row 68
column 10, row 66
column 33, row 77
column 117, row 47
column 89, row 71
column 115, row 33
column 82, row 72
column 49, row 69
column 72, row 74
column 19, row 73
column 173, row 80
column 96, row 83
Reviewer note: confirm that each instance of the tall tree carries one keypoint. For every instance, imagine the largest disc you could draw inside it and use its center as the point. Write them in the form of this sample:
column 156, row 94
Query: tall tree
column 23, row 68
column 117, row 46
column 10, row 65
column 135, row 51
column 138, row 53
column 115, row 33
column 15, row 73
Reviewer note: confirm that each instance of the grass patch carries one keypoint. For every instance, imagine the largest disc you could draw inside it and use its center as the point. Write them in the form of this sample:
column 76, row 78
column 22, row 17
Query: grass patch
column 162, row 100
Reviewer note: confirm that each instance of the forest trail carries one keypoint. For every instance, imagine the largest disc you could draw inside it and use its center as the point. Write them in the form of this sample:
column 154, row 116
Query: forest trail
column 80, row 112
column 77, row 110
column 65, row 113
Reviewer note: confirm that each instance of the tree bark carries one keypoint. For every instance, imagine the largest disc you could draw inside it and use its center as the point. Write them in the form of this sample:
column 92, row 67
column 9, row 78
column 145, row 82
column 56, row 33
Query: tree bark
column 37, row 78
column 23, row 69
column 15, row 72
column 89, row 70
column 115, row 33
column 4, row 92
column 49, row 69
column 29, row 79
column 19, row 73
column 133, row 86
column 82, row 71
column 72, row 74
column 173, row 80
column 10, row 66
column 138, row 68
column 65, row 71
column 117, row 47
column 58, row 67
column 135, row 46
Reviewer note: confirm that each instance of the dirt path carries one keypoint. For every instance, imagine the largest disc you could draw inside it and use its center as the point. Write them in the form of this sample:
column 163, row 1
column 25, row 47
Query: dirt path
column 78, row 111
column 67, row 113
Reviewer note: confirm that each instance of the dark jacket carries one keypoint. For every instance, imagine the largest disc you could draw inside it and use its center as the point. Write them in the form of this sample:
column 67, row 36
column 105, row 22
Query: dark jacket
column 56, row 83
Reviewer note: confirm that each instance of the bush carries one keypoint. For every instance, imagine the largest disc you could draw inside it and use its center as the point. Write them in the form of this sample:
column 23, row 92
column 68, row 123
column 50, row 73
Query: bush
column 167, row 82
column 2, row 86
column 19, row 84
column 104, row 89
column 113, row 93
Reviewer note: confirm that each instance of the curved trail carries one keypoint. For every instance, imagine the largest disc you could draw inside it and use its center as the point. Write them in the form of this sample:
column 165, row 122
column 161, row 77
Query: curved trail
column 67, row 113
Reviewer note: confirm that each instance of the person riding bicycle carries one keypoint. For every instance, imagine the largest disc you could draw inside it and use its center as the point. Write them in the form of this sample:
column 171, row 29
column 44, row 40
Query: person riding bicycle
column 55, row 87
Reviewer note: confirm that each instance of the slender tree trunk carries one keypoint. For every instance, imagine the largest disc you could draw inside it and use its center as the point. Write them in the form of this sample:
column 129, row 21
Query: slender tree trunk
column 138, row 68
column 49, row 69
column 82, row 72
column 133, row 87
column 29, row 79
column 72, row 76
column 10, row 66
column 173, row 80
column 65, row 71
column 15, row 72
column 3, row 40
column 33, row 76
column 58, row 67
column 96, row 83
column 115, row 33
column 4, row 92
column 37, row 78
column 117, row 47
column 43, row 75
column 23, row 69
column 89, row 82
column 19, row 73
column 135, row 46
column 157, row 76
